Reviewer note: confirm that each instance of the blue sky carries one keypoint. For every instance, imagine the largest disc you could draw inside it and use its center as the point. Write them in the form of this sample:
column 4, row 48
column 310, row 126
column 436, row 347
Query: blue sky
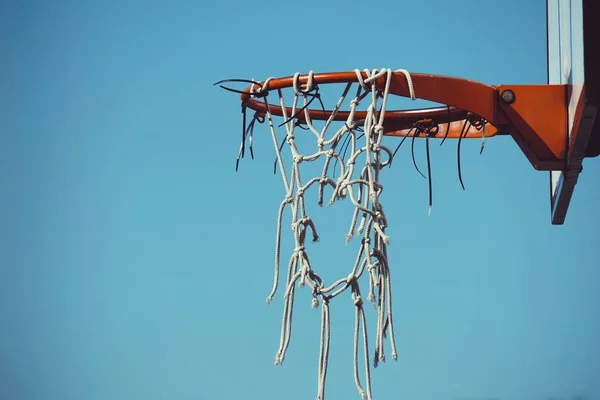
column 135, row 261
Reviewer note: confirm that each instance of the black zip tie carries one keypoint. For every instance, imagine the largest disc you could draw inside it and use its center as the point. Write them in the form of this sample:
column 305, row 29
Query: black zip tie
column 244, row 131
column 479, row 124
column 412, row 151
column 254, row 94
column 447, row 127
column 250, row 140
column 431, row 129
column 314, row 96
column 247, row 132
column 237, row 80
column 357, row 129
column 482, row 142
column 280, row 148
column 429, row 174
column 402, row 141
column 345, row 145
column 243, row 144
column 318, row 95
column 250, row 131
column 463, row 133
column 299, row 125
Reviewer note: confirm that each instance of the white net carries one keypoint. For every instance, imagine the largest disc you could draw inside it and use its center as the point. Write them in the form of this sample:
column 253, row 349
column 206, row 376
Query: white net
column 359, row 183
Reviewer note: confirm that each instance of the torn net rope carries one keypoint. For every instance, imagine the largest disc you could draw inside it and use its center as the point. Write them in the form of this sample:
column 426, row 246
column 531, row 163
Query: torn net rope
column 362, row 187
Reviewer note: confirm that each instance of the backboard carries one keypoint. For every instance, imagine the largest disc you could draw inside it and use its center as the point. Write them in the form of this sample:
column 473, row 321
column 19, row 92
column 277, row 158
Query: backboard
column 573, row 47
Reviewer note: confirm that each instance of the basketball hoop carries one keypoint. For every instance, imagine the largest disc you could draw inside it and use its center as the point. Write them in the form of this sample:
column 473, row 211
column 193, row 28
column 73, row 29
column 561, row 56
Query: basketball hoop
column 472, row 110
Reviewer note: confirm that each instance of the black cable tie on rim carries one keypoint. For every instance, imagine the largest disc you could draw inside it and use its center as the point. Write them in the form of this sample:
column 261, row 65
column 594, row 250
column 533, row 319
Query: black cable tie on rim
column 243, row 144
column 345, row 144
column 447, row 128
column 254, row 94
column 412, row 152
column 425, row 126
column 280, row 148
column 479, row 123
column 237, row 80
column 463, row 133
column 313, row 96
column 307, row 92
column 299, row 124
column 430, row 129
column 244, row 129
column 429, row 173
column 402, row 141
column 247, row 133
column 250, row 131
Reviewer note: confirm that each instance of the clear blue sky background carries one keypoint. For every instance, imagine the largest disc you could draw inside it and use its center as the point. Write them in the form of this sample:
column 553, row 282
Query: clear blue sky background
column 135, row 261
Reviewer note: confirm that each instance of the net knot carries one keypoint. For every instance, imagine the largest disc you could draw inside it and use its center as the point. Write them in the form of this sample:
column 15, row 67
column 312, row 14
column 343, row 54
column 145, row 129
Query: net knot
column 298, row 159
column 288, row 199
column 298, row 249
column 315, row 294
column 343, row 191
column 351, row 278
column 301, row 221
column 358, row 301
column 320, row 142
column 315, row 302
column 378, row 129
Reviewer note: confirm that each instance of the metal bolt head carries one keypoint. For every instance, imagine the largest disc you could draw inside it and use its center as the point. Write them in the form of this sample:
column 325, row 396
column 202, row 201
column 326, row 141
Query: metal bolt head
column 508, row 96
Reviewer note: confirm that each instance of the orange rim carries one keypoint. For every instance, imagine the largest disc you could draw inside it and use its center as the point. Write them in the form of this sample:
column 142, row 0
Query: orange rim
column 461, row 96
column 536, row 119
